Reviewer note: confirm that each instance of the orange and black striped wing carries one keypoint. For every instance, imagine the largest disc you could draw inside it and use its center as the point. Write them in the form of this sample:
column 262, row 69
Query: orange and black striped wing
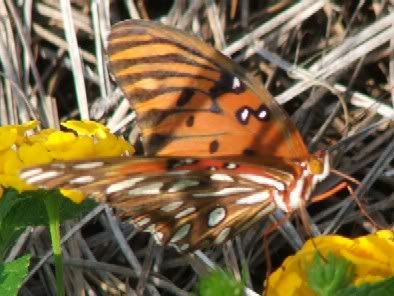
column 193, row 101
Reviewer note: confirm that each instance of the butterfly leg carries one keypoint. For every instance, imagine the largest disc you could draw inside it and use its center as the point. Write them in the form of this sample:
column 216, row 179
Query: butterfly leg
column 338, row 187
column 331, row 192
column 345, row 185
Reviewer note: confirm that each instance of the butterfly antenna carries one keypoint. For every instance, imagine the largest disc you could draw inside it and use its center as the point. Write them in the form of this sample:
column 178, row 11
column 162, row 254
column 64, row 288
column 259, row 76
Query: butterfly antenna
column 355, row 197
column 345, row 176
column 345, row 185
column 362, row 209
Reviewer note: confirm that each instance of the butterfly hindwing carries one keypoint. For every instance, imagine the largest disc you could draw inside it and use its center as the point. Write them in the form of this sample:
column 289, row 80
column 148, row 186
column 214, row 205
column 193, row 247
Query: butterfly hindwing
column 188, row 203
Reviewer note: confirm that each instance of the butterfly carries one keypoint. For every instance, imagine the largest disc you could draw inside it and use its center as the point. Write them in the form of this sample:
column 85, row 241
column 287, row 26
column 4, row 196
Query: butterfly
column 220, row 153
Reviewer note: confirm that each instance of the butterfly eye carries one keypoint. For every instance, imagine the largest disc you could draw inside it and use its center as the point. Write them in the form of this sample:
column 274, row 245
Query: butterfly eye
column 316, row 166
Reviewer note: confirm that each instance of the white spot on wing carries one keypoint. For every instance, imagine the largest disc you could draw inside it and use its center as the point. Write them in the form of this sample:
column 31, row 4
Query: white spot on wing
column 88, row 165
column 216, row 216
column 231, row 166
column 254, row 198
column 222, row 236
column 180, row 233
column 149, row 189
column 185, row 212
column 244, row 114
column 158, row 237
column 58, row 165
column 122, row 185
column 82, row 180
column 182, row 184
column 263, row 114
column 142, row 222
column 172, row 206
column 264, row 181
column 43, row 176
column 223, row 192
column 221, row 177
column 30, row 173
column 184, row 247
column 236, row 83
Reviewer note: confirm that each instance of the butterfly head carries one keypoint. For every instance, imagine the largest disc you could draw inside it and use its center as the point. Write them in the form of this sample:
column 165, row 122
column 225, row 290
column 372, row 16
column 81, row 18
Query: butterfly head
column 319, row 166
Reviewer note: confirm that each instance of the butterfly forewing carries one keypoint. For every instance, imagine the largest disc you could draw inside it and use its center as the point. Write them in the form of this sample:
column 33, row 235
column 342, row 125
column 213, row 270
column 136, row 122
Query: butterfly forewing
column 192, row 100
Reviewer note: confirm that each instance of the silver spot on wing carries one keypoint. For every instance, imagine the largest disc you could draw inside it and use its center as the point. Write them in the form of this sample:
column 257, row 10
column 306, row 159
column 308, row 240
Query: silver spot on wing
column 29, row 173
column 222, row 236
column 254, row 198
column 82, row 180
column 182, row 185
column 171, row 206
column 122, row 185
column 264, row 181
column 221, row 177
column 223, row 192
column 216, row 216
column 181, row 233
column 149, row 189
column 185, row 212
column 43, row 176
column 88, row 165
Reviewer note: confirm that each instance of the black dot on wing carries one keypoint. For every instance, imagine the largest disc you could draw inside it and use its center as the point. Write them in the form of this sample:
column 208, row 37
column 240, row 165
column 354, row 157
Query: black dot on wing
column 249, row 152
column 213, row 146
column 172, row 163
column 185, row 97
column 190, row 121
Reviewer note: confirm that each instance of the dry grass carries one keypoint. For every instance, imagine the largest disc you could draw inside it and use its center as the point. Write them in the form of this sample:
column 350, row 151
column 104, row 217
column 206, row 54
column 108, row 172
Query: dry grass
column 331, row 62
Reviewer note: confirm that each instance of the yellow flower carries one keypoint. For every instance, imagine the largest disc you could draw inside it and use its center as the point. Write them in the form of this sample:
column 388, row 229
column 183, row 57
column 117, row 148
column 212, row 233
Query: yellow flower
column 371, row 255
column 75, row 195
column 87, row 128
column 67, row 146
column 87, row 139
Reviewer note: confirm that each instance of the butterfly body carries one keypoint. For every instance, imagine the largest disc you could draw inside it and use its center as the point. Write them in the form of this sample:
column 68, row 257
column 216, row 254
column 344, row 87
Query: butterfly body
column 220, row 153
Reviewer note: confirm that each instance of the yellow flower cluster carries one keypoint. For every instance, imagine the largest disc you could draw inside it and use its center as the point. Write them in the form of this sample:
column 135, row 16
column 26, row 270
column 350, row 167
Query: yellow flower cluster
column 371, row 255
column 21, row 146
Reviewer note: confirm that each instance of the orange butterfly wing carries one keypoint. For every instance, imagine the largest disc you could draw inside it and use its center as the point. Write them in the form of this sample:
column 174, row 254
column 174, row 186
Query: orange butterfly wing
column 192, row 100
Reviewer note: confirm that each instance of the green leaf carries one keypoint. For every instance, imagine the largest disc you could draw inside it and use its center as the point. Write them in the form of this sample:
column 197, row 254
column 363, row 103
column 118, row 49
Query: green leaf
column 219, row 282
column 12, row 275
column 30, row 209
column 327, row 277
column 382, row 288
column 19, row 210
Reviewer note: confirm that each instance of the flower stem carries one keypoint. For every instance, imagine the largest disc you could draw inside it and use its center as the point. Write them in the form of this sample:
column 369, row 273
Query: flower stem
column 52, row 205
